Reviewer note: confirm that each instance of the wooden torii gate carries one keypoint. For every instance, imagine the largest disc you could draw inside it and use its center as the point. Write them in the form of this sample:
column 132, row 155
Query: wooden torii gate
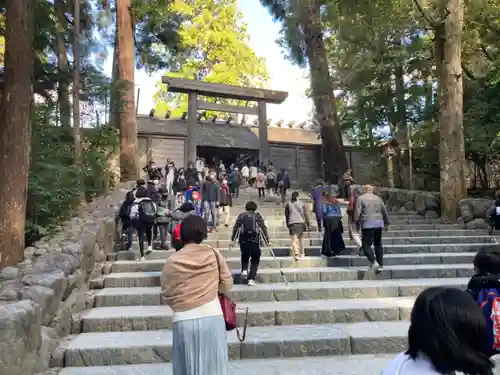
column 217, row 90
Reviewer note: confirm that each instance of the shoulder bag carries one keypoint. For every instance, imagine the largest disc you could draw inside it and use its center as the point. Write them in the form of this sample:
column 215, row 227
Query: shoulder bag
column 229, row 311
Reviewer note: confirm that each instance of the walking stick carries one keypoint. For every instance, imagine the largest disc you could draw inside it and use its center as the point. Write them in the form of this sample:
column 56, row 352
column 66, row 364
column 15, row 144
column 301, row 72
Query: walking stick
column 274, row 256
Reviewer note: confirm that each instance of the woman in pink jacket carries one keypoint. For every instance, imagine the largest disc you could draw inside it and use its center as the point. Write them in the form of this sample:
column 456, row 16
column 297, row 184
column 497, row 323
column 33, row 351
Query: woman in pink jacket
column 260, row 184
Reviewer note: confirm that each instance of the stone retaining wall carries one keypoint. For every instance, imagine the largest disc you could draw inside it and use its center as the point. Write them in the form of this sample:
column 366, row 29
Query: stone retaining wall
column 474, row 212
column 425, row 203
column 39, row 297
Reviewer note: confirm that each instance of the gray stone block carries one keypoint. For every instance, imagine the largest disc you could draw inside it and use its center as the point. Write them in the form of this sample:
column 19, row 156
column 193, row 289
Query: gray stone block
column 341, row 365
column 147, row 318
column 20, row 337
column 116, row 348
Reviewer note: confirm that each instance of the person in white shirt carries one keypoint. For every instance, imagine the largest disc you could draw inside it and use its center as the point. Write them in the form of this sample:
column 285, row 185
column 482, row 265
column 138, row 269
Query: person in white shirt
column 448, row 334
column 245, row 172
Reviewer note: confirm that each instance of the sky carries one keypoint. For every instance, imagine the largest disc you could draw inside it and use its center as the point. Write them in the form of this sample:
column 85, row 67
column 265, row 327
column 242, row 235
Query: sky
column 283, row 75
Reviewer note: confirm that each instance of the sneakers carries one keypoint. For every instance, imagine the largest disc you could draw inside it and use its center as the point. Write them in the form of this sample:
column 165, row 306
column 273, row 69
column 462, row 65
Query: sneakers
column 142, row 259
column 244, row 274
column 251, row 282
column 149, row 250
column 376, row 267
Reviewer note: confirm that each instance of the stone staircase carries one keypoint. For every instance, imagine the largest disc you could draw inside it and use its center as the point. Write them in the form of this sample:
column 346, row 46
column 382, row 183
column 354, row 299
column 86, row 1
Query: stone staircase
column 334, row 317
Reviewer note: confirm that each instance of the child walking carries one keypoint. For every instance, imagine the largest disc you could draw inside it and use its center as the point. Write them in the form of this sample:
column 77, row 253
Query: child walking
column 484, row 286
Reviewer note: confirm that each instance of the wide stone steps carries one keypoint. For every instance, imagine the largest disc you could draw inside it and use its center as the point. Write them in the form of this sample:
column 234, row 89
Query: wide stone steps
column 454, row 233
column 138, row 347
column 341, row 261
column 148, row 318
column 272, row 276
column 433, row 225
column 314, row 252
column 365, row 364
column 300, row 291
column 334, row 317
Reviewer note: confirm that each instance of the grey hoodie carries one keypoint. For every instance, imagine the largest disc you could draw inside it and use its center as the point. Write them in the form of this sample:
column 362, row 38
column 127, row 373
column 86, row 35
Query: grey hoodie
column 177, row 216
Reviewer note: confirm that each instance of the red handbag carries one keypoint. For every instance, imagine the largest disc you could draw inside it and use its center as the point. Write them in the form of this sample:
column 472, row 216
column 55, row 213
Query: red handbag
column 229, row 312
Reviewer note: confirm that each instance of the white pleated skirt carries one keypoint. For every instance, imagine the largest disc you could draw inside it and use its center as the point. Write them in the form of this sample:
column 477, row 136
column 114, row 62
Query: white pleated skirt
column 200, row 347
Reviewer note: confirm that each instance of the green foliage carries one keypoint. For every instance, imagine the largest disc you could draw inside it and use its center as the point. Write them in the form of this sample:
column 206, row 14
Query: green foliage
column 53, row 194
column 215, row 49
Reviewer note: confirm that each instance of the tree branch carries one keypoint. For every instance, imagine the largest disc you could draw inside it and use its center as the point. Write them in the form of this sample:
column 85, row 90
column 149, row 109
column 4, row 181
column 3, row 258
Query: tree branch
column 421, row 10
column 468, row 73
column 485, row 52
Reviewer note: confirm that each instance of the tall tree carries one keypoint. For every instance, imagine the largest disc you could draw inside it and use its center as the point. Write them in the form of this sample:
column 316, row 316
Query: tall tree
column 303, row 35
column 129, row 169
column 61, row 25
column 15, row 131
column 451, row 148
column 217, row 49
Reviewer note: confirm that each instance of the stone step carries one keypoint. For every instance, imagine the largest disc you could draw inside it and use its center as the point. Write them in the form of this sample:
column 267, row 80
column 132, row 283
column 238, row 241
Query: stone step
column 292, row 292
column 155, row 265
column 309, row 274
column 281, row 232
column 340, row 261
column 362, row 364
column 148, row 318
column 275, row 220
column 215, row 236
column 139, row 347
column 315, row 251
column 315, row 241
column 394, row 226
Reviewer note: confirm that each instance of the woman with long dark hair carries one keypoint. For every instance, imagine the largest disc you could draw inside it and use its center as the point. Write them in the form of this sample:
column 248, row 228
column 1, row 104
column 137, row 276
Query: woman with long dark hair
column 448, row 334
column 333, row 243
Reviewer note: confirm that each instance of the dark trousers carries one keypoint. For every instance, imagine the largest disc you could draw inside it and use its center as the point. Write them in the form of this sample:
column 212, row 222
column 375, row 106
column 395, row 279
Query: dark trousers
column 236, row 190
column 369, row 237
column 250, row 253
column 320, row 224
column 262, row 192
column 163, row 229
column 283, row 192
column 128, row 231
column 155, row 231
column 144, row 232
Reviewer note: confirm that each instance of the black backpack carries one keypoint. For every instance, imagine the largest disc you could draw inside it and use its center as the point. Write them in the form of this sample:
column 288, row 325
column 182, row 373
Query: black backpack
column 250, row 227
column 147, row 211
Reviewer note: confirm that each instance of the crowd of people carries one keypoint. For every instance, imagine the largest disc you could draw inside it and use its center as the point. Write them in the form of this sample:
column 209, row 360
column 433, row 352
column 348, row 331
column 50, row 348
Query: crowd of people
column 450, row 330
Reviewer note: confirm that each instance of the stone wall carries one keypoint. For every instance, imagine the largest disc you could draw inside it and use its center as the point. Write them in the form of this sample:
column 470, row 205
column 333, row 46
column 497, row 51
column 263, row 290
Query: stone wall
column 474, row 212
column 424, row 203
column 39, row 297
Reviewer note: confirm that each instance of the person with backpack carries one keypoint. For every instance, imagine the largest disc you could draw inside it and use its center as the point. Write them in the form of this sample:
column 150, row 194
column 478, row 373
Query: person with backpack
column 297, row 222
column 139, row 183
column 162, row 218
column 143, row 215
column 176, row 217
column 250, row 228
column 484, row 287
column 124, row 216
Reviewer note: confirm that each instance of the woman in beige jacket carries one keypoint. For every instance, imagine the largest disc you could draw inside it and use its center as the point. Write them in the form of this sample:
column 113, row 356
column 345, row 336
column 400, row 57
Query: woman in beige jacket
column 191, row 281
